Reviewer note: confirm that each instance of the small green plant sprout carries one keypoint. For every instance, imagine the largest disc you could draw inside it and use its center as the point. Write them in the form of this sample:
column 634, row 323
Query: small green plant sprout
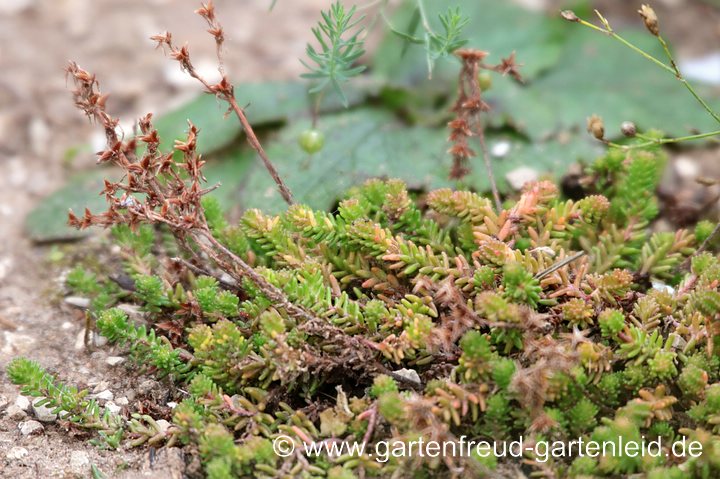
column 437, row 44
column 69, row 403
column 341, row 45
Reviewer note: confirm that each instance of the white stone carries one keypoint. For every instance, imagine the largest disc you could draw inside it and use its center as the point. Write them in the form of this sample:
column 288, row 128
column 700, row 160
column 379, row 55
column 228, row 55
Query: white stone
column 79, row 462
column 39, row 134
column 122, row 401
column 43, row 413
column 101, row 386
column 80, row 340
column 172, row 404
column 686, row 168
column 106, row 395
column 30, row 427
column 657, row 285
column 147, row 386
column 17, row 172
column 6, row 264
column 78, row 302
column 704, row 69
column 500, row 149
column 15, row 413
column 519, row 176
column 114, row 360
column 16, row 453
column 17, row 343
column 164, row 425
column 410, row 374
column 112, row 407
column 23, row 403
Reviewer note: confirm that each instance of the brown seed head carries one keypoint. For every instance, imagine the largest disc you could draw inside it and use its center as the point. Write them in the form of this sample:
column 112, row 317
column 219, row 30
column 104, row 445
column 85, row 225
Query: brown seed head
column 569, row 15
column 650, row 19
column 596, row 127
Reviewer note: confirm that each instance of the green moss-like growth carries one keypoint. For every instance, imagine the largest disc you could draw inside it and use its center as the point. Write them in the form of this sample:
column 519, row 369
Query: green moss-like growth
column 392, row 319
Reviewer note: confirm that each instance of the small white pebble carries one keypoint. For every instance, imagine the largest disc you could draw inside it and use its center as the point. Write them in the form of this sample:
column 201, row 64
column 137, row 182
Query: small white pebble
column 500, row 149
column 39, row 134
column 519, row 176
column 112, row 407
column 79, row 462
column 164, row 425
column 544, row 249
column 16, row 453
column 122, row 401
column 78, row 302
column 106, row 395
column 80, row 340
column 686, row 167
column 14, row 413
column 31, row 427
column 705, row 69
column 114, row 360
column 172, row 404
column 23, row 403
column 101, row 386
column 66, row 325
column 43, row 413
column 410, row 374
column 657, row 285
column 5, row 266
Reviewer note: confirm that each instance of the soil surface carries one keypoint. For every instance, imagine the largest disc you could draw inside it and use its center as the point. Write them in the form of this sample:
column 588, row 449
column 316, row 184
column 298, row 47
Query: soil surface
column 39, row 125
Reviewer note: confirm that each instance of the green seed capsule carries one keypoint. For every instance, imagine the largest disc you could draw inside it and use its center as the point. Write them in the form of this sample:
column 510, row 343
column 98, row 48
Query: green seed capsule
column 312, row 141
column 485, row 81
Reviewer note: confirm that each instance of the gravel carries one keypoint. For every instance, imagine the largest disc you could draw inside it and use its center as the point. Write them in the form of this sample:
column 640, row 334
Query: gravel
column 30, row 428
column 16, row 453
column 114, row 360
column 43, row 413
column 15, row 413
column 23, row 403
column 79, row 462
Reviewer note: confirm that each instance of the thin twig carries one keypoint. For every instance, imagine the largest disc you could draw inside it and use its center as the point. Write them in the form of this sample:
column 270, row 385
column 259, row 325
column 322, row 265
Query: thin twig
column 704, row 246
column 560, row 264
column 489, row 169
column 672, row 68
column 201, row 271
column 224, row 89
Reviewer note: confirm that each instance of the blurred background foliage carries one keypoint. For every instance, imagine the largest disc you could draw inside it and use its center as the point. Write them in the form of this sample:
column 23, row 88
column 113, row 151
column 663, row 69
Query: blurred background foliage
column 395, row 126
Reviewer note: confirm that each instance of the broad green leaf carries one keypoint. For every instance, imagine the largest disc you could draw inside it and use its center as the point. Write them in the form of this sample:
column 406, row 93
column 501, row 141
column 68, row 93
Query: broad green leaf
column 601, row 76
column 264, row 103
column 48, row 221
column 360, row 144
column 497, row 27
column 370, row 142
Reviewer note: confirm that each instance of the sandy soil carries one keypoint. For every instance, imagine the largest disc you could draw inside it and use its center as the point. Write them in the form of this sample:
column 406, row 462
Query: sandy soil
column 38, row 125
